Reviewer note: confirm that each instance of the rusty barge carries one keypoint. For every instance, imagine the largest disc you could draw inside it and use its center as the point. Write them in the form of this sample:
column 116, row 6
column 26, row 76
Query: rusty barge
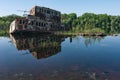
column 40, row 19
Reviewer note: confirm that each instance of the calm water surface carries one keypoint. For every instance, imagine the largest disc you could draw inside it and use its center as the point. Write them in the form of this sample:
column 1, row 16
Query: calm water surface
column 59, row 58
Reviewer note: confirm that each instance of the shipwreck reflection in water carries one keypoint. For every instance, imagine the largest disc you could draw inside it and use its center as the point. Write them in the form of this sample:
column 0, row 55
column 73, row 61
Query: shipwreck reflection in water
column 40, row 46
column 81, row 58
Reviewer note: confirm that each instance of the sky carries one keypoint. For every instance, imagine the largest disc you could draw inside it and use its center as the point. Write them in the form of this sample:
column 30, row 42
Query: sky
column 111, row 7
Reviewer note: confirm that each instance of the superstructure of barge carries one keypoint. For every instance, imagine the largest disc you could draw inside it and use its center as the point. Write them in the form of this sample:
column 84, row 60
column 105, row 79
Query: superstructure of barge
column 40, row 19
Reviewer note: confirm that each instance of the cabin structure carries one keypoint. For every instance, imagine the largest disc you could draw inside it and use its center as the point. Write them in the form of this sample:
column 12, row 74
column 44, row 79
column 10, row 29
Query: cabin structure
column 40, row 19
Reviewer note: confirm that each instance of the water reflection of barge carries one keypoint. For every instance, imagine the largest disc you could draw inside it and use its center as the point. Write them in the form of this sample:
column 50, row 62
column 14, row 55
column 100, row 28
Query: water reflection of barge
column 39, row 46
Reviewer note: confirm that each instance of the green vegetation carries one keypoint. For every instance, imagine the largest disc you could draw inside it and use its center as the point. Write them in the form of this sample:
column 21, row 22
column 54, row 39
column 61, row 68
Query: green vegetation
column 5, row 23
column 2, row 33
column 87, row 23
column 91, row 23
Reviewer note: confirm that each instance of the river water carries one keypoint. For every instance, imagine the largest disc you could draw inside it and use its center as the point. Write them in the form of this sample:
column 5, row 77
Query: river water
column 49, row 57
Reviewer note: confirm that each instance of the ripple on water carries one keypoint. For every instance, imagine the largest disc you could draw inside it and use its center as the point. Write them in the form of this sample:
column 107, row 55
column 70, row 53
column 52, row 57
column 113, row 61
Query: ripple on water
column 104, row 45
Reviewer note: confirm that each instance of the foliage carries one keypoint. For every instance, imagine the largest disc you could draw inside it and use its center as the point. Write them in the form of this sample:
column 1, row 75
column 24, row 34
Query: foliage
column 68, row 20
column 88, row 22
column 5, row 22
column 93, row 23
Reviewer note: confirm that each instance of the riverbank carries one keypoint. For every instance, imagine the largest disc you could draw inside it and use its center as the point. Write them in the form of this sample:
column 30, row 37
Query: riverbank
column 69, row 33
column 84, row 34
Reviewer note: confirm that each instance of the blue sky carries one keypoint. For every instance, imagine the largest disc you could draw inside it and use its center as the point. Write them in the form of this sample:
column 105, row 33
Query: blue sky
column 111, row 7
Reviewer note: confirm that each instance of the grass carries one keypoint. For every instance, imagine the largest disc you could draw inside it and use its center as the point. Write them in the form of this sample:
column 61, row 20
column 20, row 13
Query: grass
column 92, row 32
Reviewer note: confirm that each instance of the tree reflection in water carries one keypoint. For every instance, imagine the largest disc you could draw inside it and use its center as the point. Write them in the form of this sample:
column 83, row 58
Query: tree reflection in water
column 92, row 40
column 87, row 40
column 74, row 62
column 43, row 46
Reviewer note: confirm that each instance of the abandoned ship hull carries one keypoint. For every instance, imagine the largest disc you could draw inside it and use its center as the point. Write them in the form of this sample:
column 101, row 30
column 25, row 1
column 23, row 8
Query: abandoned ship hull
column 25, row 26
column 40, row 20
column 21, row 26
column 20, row 32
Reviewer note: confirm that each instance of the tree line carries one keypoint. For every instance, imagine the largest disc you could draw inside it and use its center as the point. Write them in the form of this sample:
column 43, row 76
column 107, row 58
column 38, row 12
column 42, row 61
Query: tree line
column 5, row 22
column 90, row 22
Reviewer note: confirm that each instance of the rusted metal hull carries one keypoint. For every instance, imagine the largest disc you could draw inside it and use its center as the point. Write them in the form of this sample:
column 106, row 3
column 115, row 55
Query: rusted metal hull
column 25, row 32
column 40, row 20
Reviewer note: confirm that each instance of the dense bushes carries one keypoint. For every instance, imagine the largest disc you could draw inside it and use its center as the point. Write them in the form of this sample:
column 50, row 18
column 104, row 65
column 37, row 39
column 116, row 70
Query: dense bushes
column 90, row 22
column 5, row 22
